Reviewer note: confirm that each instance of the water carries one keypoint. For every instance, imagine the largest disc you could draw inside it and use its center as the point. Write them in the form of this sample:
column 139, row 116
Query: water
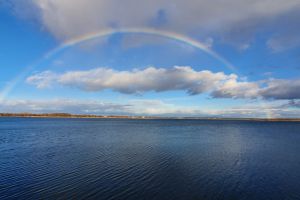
column 148, row 159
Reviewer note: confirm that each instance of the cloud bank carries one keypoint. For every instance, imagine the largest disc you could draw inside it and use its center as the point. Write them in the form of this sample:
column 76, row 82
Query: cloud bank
column 142, row 107
column 178, row 78
column 61, row 105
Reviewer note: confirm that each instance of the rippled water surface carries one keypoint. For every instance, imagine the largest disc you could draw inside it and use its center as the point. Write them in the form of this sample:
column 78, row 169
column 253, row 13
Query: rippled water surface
column 148, row 159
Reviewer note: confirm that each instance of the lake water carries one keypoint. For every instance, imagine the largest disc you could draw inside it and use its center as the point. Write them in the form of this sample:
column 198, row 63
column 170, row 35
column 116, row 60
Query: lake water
column 148, row 159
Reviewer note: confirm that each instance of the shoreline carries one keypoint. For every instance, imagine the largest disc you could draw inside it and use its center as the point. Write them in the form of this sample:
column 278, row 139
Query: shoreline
column 80, row 116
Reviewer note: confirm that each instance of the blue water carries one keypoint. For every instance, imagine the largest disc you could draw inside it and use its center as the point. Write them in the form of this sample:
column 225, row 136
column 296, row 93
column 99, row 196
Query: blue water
column 148, row 159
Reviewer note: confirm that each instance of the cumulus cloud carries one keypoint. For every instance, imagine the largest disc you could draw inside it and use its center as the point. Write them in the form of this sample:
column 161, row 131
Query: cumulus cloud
column 140, row 81
column 64, row 18
column 235, row 89
column 181, row 78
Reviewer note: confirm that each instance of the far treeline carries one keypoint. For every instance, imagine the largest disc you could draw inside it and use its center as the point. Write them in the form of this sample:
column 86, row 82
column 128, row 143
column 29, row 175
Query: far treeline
column 59, row 115
column 68, row 115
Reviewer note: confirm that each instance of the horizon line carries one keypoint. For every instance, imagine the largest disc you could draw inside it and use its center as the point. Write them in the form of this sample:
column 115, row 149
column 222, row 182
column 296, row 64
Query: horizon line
column 98, row 116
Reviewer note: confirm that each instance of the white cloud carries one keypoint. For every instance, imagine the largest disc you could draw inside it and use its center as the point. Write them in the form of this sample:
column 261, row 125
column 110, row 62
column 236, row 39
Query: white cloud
column 235, row 89
column 42, row 80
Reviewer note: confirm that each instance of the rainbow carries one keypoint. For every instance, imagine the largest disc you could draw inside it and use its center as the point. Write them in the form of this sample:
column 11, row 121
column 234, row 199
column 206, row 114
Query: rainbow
column 166, row 34
column 103, row 33
column 98, row 34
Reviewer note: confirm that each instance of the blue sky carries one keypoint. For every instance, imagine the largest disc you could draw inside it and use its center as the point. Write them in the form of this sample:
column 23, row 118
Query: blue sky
column 140, row 73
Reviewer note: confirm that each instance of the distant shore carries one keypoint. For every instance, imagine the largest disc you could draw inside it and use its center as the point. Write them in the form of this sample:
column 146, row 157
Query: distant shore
column 68, row 115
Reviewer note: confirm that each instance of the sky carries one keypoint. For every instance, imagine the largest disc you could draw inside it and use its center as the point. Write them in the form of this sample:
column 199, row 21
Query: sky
column 201, row 58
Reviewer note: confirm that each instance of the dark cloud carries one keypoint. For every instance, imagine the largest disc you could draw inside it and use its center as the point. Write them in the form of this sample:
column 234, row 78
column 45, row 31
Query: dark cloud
column 281, row 89
column 291, row 104
column 234, row 21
